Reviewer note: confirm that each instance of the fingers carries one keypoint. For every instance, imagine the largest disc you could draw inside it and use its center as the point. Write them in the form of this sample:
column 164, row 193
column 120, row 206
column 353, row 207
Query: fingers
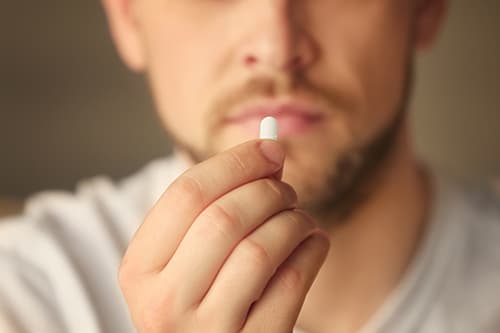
column 251, row 265
column 163, row 229
column 218, row 229
column 278, row 308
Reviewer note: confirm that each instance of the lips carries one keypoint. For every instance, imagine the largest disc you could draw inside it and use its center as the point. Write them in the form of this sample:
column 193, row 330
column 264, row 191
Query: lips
column 294, row 118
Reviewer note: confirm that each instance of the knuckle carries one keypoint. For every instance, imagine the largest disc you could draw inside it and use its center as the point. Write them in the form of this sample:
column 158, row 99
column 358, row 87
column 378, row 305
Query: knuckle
column 150, row 320
column 255, row 254
column 291, row 279
column 301, row 219
column 158, row 313
column 155, row 320
column 221, row 221
column 190, row 187
column 273, row 185
column 237, row 163
column 280, row 190
column 126, row 274
column 153, row 305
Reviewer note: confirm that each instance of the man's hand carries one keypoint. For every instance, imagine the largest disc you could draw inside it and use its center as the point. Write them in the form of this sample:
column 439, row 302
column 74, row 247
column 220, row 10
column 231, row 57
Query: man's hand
column 224, row 250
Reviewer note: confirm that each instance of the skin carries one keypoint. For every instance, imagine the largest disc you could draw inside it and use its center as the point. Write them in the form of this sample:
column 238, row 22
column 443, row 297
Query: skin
column 246, row 223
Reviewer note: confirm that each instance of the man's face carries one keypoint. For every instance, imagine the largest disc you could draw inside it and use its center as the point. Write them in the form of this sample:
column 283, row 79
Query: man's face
column 333, row 72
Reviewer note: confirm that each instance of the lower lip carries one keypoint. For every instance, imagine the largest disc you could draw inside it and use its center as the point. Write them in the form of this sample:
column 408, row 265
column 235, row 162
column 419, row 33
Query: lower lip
column 289, row 125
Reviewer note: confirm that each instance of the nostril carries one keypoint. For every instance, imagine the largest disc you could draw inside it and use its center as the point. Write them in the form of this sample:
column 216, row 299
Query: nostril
column 250, row 60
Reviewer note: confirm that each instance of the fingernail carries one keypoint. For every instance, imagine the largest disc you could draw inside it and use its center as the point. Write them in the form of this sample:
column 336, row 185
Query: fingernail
column 272, row 151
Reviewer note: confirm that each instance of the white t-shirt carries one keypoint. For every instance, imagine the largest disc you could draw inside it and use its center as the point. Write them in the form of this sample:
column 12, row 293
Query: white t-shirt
column 59, row 260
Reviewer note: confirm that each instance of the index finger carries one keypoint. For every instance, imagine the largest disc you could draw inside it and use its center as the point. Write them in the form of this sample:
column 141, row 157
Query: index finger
column 169, row 220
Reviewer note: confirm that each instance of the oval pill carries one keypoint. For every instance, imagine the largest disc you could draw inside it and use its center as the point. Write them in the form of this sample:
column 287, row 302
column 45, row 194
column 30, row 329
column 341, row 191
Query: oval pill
column 269, row 128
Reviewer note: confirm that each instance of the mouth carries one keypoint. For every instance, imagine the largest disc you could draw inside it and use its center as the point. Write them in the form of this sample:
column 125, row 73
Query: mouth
column 295, row 118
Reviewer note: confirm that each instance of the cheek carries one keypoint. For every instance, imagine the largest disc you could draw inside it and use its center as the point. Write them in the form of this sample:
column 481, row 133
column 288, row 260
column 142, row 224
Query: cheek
column 178, row 69
column 365, row 50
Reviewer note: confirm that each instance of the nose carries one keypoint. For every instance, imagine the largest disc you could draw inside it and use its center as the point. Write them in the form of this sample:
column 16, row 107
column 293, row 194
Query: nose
column 278, row 40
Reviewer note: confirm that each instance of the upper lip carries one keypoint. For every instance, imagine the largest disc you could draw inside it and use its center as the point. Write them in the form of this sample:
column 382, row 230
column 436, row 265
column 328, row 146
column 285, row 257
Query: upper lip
column 271, row 108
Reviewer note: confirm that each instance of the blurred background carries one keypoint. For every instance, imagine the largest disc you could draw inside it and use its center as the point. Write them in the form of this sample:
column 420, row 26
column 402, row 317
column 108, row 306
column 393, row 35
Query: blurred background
column 70, row 110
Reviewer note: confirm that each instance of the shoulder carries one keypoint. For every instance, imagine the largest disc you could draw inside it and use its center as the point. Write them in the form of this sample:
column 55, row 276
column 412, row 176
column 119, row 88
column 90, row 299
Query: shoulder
column 470, row 286
column 481, row 216
column 481, row 236
column 100, row 215
column 472, row 211
column 61, row 255
column 473, row 207
column 97, row 204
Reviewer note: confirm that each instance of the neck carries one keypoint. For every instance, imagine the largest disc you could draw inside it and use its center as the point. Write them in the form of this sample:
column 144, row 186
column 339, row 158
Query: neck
column 371, row 250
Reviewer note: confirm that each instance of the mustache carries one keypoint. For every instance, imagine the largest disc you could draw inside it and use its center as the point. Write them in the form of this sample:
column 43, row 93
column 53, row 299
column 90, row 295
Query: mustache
column 267, row 86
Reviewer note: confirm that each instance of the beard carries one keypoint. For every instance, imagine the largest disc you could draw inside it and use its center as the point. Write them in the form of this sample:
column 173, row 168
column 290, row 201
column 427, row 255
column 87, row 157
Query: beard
column 347, row 179
column 330, row 183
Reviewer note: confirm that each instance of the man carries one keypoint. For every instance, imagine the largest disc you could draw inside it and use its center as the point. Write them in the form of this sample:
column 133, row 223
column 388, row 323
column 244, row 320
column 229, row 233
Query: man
column 335, row 228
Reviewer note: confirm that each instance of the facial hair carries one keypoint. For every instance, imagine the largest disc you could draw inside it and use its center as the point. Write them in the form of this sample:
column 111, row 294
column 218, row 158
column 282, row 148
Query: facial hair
column 354, row 178
column 351, row 177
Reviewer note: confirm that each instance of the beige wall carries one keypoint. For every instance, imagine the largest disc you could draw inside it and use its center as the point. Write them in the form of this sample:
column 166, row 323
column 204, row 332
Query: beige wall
column 457, row 97
column 69, row 110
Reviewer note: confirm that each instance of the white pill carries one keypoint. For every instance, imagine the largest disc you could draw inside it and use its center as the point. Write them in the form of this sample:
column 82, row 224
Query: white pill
column 269, row 128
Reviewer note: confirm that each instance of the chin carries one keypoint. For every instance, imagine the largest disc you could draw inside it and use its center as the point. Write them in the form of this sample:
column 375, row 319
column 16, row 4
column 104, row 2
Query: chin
column 310, row 176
